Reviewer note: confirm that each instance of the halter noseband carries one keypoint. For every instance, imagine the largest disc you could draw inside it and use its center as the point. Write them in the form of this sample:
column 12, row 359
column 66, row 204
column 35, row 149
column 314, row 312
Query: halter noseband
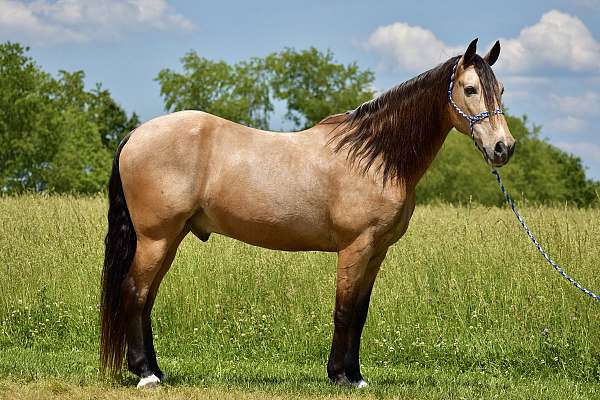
column 473, row 119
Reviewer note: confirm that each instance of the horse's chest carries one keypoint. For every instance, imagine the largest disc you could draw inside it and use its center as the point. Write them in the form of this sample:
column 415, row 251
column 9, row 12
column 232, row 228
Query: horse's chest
column 395, row 226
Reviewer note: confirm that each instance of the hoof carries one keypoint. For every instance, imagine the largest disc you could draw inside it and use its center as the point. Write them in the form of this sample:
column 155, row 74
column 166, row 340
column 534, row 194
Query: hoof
column 148, row 382
column 342, row 381
column 360, row 384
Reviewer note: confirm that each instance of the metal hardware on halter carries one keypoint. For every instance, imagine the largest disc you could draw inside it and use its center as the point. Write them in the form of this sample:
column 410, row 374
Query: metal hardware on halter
column 473, row 119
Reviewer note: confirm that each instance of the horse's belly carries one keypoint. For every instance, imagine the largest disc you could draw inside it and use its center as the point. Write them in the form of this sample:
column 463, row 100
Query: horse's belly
column 269, row 229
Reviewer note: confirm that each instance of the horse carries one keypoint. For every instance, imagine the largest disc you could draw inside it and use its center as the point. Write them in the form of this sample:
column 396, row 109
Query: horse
column 345, row 185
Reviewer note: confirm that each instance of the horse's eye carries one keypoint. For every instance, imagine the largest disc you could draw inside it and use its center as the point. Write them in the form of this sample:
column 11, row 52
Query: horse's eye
column 470, row 90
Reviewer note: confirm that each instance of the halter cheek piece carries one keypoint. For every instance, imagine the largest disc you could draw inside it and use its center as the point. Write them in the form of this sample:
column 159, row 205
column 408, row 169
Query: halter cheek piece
column 473, row 119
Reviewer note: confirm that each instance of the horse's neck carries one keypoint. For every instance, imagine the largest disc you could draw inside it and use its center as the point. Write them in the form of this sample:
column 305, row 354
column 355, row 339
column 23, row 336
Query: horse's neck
column 398, row 134
column 429, row 146
column 432, row 151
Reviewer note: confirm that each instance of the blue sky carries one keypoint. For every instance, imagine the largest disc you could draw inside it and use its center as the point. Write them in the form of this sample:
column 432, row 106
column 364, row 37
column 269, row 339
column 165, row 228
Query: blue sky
column 550, row 61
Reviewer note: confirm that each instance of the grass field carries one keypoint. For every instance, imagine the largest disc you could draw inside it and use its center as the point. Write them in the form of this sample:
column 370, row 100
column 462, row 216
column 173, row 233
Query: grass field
column 463, row 308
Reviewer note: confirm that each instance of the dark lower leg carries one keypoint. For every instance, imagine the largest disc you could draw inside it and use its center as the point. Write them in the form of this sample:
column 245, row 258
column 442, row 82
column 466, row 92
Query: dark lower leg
column 137, row 360
column 147, row 319
column 352, row 359
column 352, row 266
column 149, row 345
column 335, row 366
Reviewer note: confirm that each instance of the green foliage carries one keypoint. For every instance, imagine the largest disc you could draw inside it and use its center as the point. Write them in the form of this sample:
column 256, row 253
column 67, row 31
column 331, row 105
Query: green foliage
column 112, row 121
column 56, row 136
column 314, row 86
column 311, row 84
column 538, row 172
column 237, row 92
column 28, row 119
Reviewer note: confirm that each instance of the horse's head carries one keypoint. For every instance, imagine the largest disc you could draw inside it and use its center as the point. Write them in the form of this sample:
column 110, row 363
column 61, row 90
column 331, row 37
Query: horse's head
column 475, row 104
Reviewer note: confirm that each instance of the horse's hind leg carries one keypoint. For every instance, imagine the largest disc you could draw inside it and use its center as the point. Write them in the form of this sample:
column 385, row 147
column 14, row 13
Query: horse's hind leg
column 150, row 255
column 146, row 314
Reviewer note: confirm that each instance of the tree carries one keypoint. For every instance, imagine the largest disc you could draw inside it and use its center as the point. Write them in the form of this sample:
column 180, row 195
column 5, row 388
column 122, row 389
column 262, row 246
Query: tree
column 56, row 136
column 239, row 92
column 314, row 86
column 112, row 121
column 311, row 84
column 28, row 119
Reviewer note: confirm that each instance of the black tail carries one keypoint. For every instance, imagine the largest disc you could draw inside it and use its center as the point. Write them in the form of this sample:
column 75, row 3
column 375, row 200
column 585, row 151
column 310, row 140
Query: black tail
column 120, row 244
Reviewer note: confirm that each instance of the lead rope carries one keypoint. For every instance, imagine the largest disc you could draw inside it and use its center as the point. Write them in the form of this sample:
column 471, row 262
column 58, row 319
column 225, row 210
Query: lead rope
column 473, row 119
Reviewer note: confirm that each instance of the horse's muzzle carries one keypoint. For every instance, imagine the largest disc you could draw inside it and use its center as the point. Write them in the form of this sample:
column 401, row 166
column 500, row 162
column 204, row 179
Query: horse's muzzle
column 502, row 153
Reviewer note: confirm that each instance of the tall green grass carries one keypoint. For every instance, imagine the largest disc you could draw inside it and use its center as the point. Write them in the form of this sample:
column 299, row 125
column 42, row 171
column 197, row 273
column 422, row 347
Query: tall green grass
column 463, row 291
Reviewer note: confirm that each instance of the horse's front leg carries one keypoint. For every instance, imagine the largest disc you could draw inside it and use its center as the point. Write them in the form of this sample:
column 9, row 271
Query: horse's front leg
column 361, row 308
column 353, row 263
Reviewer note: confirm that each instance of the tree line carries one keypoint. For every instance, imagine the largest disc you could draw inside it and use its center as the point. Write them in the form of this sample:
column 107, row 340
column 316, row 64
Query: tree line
column 59, row 137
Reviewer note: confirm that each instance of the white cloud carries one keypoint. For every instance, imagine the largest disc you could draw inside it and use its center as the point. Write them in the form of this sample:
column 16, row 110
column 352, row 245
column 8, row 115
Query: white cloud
column 557, row 40
column 45, row 21
column 18, row 21
column 408, row 47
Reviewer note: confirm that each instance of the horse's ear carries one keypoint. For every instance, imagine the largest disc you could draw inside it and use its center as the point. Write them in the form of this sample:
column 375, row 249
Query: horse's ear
column 493, row 54
column 471, row 51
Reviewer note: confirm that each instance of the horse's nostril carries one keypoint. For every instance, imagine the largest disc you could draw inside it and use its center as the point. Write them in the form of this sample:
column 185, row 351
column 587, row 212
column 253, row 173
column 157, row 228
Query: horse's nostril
column 501, row 149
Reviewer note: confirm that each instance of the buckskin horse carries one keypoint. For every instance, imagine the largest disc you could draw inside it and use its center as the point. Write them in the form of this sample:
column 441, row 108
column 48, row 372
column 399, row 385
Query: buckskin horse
column 346, row 185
